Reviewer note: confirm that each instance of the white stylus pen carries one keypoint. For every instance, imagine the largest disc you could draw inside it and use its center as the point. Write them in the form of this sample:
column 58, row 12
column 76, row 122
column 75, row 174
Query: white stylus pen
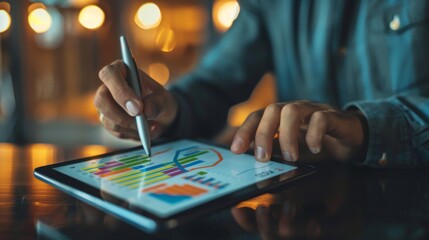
column 134, row 82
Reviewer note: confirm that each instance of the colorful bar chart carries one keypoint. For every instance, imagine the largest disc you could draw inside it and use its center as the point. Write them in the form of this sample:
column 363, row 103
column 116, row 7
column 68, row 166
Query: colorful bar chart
column 207, row 181
column 175, row 193
column 136, row 171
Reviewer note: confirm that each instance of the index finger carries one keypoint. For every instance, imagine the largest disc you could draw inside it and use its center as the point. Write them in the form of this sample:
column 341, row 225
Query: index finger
column 113, row 76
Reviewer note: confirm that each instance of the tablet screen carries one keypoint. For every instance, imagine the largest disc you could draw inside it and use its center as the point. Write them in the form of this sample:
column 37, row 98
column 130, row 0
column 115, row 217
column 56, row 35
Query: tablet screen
column 178, row 176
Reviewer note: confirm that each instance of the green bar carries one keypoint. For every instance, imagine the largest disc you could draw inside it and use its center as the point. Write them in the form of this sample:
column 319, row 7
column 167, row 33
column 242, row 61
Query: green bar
column 154, row 177
column 92, row 166
column 132, row 182
column 131, row 158
column 126, row 174
column 129, row 165
column 130, row 178
column 136, row 159
column 134, row 186
column 188, row 160
column 155, row 171
column 201, row 173
column 194, row 155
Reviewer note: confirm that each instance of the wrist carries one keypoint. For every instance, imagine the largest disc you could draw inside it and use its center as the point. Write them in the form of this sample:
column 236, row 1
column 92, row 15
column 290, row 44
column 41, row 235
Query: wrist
column 362, row 146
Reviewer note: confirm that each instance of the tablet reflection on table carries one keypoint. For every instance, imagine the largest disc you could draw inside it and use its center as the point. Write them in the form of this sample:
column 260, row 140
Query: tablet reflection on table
column 305, row 210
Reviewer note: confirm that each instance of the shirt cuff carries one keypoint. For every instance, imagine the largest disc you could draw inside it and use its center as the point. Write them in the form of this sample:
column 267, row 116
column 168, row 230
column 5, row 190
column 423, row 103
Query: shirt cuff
column 389, row 143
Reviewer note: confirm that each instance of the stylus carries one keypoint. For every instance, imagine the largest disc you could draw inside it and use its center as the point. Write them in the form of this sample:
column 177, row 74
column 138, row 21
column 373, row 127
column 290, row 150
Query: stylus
column 134, row 82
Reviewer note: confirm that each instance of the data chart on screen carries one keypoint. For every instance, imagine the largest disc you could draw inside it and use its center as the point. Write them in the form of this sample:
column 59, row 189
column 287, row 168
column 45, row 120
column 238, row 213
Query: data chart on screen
column 178, row 175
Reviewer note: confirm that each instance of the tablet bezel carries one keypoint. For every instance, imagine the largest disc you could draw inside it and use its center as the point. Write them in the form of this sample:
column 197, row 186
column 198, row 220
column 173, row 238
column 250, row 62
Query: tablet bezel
column 73, row 186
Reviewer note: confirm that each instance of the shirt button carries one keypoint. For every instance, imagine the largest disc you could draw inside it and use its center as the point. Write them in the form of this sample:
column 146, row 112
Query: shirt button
column 383, row 160
column 395, row 23
column 342, row 51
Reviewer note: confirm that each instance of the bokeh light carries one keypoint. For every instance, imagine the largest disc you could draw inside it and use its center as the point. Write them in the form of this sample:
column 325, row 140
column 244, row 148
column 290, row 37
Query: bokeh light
column 224, row 14
column 8, row 155
column 4, row 20
column 159, row 72
column 91, row 17
column 262, row 200
column 42, row 154
column 92, row 150
column 165, row 40
column 54, row 36
column 148, row 16
column 40, row 20
column 78, row 3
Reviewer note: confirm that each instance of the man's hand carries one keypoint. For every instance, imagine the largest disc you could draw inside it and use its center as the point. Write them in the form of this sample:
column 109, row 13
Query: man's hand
column 320, row 128
column 117, row 103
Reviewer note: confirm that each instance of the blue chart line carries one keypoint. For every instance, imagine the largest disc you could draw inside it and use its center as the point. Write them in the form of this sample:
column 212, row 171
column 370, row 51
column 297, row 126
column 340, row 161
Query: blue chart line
column 252, row 169
column 190, row 153
column 176, row 158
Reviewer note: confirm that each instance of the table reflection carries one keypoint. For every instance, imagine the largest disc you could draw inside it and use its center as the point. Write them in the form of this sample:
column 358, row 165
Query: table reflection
column 343, row 202
column 338, row 202
column 323, row 206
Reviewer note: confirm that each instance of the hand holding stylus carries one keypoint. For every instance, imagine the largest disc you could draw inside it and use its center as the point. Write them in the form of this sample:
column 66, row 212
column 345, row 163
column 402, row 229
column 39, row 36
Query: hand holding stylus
column 118, row 104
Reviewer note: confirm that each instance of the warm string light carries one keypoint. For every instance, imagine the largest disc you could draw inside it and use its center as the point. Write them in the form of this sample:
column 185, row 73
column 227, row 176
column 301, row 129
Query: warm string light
column 224, row 14
column 5, row 20
column 148, row 16
column 165, row 40
column 39, row 19
column 91, row 17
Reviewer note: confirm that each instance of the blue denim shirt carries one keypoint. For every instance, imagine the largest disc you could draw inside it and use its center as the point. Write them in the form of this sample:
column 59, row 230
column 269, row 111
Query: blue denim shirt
column 372, row 55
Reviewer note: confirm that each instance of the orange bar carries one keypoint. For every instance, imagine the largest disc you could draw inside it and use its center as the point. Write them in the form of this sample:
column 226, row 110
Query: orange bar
column 115, row 172
column 154, row 187
column 194, row 190
column 190, row 190
column 174, row 190
column 179, row 190
column 185, row 189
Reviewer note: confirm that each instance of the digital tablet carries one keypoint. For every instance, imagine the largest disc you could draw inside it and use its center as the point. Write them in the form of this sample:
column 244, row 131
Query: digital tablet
column 181, row 181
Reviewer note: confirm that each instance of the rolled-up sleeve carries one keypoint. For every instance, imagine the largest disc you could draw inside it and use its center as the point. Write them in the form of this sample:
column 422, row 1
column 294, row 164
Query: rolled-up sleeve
column 398, row 131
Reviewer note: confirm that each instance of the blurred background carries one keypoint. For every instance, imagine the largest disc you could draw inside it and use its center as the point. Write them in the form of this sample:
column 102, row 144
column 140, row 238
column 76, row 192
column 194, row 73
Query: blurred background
column 51, row 52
